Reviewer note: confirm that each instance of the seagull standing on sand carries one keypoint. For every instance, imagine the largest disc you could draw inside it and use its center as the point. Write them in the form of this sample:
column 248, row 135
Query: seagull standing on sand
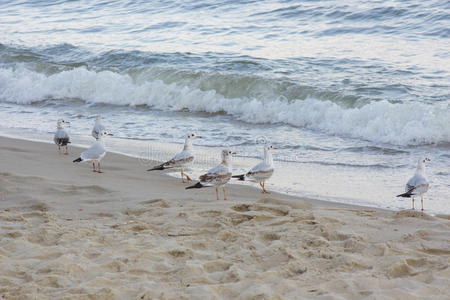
column 262, row 171
column 98, row 127
column 180, row 160
column 217, row 176
column 418, row 184
column 95, row 152
column 61, row 137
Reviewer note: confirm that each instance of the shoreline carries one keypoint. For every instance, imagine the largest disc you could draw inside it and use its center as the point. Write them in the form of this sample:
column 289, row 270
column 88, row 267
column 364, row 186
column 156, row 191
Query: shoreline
column 67, row 232
column 327, row 202
column 77, row 149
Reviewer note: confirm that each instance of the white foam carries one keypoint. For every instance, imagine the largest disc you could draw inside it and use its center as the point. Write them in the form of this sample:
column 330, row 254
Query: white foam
column 382, row 121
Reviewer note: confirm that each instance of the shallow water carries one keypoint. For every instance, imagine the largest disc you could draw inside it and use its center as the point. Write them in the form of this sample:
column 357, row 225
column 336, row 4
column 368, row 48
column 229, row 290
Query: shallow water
column 352, row 93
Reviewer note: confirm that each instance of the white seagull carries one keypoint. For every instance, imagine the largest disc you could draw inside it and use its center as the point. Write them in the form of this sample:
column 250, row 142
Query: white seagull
column 418, row 184
column 95, row 152
column 98, row 127
column 61, row 137
column 262, row 171
column 180, row 160
column 217, row 176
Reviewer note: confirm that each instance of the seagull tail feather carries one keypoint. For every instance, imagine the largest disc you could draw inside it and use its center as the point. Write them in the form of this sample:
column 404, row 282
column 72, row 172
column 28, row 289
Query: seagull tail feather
column 240, row 177
column 77, row 160
column 408, row 194
column 198, row 185
column 160, row 167
column 405, row 195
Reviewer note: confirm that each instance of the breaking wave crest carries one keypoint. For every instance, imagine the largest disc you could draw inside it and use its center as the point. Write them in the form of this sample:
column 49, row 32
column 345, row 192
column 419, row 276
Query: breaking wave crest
column 408, row 123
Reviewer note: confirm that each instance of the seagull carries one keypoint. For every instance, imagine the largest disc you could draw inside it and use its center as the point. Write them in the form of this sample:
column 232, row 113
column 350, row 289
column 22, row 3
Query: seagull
column 98, row 127
column 418, row 184
column 262, row 171
column 61, row 137
column 180, row 160
column 217, row 176
column 95, row 152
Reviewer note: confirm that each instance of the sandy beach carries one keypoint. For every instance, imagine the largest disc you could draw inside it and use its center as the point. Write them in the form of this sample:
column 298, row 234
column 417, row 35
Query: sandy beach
column 69, row 233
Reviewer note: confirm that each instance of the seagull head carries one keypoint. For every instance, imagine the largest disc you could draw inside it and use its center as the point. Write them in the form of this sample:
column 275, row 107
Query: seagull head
column 268, row 153
column 62, row 122
column 191, row 136
column 188, row 141
column 227, row 154
column 268, row 148
column 104, row 133
column 421, row 163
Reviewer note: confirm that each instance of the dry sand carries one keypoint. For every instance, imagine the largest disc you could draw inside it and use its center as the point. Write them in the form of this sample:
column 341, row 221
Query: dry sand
column 69, row 233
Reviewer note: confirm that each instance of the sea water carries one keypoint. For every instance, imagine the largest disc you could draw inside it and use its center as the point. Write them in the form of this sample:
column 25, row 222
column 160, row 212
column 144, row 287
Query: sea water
column 352, row 93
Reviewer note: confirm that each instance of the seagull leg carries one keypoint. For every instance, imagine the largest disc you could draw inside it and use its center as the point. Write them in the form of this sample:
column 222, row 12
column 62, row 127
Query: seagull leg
column 93, row 167
column 182, row 175
column 224, row 194
column 260, row 184
column 421, row 200
column 264, row 188
column 59, row 149
column 217, row 193
column 412, row 202
column 99, row 169
column 67, row 150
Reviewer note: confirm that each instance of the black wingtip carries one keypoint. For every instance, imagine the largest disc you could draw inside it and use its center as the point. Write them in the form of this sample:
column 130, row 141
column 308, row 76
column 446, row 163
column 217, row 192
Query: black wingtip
column 160, row 167
column 408, row 194
column 405, row 195
column 198, row 185
column 77, row 160
column 239, row 177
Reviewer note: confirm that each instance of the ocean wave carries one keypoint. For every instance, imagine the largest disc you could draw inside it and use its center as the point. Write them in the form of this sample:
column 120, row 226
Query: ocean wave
column 408, row 123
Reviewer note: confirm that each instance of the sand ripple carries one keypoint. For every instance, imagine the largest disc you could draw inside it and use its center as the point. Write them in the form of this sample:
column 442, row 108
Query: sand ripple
column 269, row 249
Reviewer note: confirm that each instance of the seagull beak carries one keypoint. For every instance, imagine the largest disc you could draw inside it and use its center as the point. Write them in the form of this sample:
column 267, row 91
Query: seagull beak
column 67, row 122
column 197, row 136
column 233, row 152
column 274, row 148
column 110, row 134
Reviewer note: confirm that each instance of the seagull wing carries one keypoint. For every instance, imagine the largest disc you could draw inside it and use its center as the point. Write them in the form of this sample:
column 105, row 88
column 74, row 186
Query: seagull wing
column 61, row 137
column 181, row 159
column 96, row 151
column 261, row 171
column 216, row 176
column 418, row 184
column 61, row 134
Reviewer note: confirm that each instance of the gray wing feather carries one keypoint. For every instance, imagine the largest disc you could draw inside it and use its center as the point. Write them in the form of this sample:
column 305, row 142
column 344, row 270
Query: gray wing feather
column 96, row 151
column 417, row 184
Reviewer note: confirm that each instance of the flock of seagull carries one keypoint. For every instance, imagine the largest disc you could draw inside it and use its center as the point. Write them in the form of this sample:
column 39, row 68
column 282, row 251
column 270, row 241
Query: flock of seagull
column 218, row 176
